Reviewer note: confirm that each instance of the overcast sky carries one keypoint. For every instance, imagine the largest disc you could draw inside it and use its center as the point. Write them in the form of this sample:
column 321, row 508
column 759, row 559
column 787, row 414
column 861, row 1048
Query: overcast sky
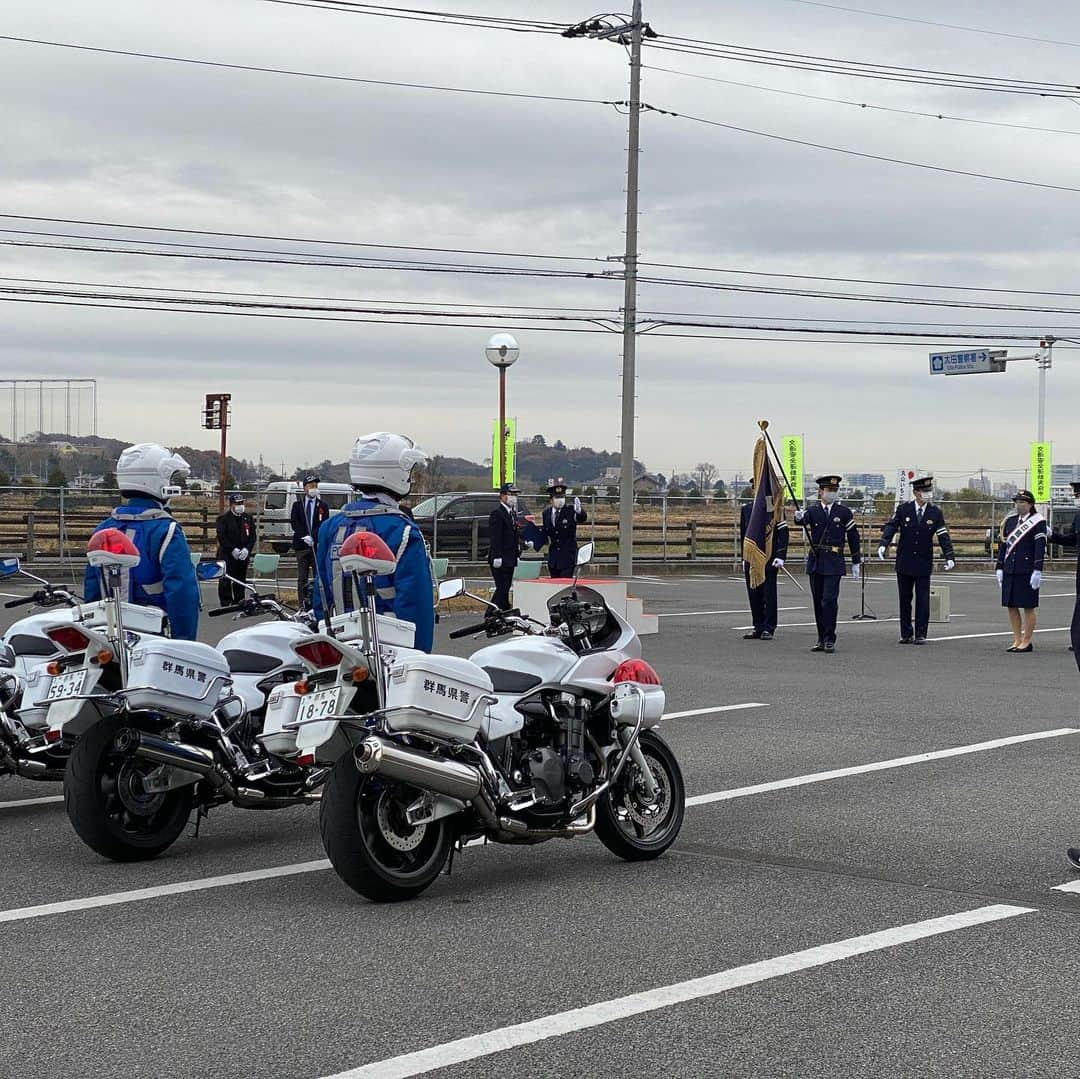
column 147, row 142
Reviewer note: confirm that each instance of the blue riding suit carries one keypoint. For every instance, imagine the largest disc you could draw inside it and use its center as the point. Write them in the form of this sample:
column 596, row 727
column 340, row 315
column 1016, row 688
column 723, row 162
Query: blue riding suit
column 408, row 593
column 164, row 577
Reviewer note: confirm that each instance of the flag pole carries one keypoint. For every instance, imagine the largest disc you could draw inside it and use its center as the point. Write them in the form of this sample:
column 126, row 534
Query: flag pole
column 763, row 425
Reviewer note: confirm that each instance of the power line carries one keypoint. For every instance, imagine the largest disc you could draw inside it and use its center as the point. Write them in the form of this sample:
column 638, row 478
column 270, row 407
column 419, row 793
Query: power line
column 305, row 74
column 445, row 18
column 943, row 25
column 866, row 105
column 867, row 156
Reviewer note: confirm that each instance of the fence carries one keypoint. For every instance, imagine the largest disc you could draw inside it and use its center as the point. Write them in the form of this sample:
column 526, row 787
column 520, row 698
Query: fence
column 56, row 523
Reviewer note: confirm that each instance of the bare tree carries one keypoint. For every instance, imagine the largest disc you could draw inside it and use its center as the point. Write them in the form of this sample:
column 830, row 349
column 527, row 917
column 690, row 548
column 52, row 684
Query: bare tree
column 705, row 473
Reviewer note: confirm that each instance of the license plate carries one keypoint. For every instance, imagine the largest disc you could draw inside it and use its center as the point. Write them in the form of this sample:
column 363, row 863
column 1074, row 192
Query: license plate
column 67, row 685
column 319, row 705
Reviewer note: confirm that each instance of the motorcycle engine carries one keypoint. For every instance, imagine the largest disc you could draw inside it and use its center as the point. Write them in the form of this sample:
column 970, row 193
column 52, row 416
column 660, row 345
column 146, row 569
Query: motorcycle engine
column 550, row 753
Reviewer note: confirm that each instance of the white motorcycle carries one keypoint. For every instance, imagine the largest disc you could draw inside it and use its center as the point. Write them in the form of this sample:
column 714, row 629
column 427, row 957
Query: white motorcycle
column 547, row 734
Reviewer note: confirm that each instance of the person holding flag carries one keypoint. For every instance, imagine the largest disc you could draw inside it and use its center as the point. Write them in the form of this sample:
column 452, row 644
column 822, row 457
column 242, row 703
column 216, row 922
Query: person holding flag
column 1021, row 552
column 764, row 535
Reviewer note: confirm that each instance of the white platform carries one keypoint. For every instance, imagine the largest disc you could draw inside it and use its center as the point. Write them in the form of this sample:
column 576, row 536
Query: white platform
column 531, row 598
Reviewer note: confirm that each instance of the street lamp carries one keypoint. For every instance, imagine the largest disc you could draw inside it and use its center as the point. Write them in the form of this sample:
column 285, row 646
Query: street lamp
column 502, row 350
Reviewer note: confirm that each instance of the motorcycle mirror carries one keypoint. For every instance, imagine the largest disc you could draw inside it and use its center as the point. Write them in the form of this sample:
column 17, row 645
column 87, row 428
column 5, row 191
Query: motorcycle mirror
column 451, row 589
column 9, row 567
column 585, row 554
column 209, row 571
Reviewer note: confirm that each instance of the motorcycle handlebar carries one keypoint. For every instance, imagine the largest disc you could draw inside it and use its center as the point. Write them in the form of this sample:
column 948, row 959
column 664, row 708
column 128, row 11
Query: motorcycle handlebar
column 25, row 602
column 468, row 631
column 225, row 610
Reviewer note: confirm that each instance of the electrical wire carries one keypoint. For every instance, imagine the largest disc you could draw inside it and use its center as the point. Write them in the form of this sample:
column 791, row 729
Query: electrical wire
column 867, row 156
column 445, row 18
column 864, row 104
column 307, row 74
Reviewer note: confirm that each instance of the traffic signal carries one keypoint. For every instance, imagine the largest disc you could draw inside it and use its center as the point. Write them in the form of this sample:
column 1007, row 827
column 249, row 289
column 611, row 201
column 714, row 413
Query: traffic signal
column 216, row 411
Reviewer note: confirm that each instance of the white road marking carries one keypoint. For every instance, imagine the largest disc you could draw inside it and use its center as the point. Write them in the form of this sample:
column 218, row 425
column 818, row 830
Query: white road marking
column 90, row 902
column 711, row 711
column 1057, row 595
column 667, row 996
column 1069, row 886
column 32, row 801
column 1002, row 633
column 876, row 766
column 695, row 614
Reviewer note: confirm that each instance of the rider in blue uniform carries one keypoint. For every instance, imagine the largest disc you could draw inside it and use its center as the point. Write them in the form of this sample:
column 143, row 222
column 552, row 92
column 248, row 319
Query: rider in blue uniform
column 164, row 577
column 380, row 470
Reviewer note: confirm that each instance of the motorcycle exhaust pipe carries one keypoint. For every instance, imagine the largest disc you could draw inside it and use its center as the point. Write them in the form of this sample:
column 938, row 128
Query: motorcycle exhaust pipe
column 187, row 758
column 418, row 769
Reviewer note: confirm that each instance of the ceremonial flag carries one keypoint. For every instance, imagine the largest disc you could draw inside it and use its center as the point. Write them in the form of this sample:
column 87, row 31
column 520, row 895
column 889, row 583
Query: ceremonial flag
column 767, row 512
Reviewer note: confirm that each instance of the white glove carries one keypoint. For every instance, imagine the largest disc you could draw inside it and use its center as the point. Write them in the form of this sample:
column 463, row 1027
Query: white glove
column 856, row 571
column 497, row 563
column 950, row 564
column 529, row 545
column 800, row 516
column 309, row 541
column 577, row 505
column 236, row 554
column 1036, row 579
column 1000, row 577
column 881, row 553
column 778, row 563
column 244, row 554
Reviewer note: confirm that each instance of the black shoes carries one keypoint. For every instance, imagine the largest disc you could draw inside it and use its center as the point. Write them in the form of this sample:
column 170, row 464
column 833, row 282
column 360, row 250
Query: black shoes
column 766, row 635
column 755, row 636
column 906, row 640
column 830, row 647
column 920, row 640
column 819, row 647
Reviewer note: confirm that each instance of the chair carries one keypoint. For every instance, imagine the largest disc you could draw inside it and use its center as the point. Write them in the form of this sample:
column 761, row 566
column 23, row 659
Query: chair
column 265, row 565
column 528, row 571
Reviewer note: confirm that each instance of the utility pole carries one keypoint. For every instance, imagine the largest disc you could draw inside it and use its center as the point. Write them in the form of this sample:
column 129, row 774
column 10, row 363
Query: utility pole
column 613, row 28
column 216, row 418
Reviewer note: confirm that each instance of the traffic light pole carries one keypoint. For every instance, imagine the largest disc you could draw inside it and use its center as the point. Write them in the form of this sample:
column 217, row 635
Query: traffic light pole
column 224, row 436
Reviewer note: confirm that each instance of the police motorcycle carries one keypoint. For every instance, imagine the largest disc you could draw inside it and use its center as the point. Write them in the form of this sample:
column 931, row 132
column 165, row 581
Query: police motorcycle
column 547, row 734
column 41, row 646
column 184, row 725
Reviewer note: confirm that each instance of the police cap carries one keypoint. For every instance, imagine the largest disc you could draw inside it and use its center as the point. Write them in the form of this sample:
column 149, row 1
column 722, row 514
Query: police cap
column 309, row 479
column 510, row 488
column 235, row 497
column 1024, row 496
column 556, row 487
column 828, row 481
column 923, row 483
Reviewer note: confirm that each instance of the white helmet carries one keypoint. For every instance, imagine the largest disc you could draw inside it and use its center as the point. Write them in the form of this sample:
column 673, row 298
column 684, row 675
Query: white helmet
column 149, row 468
column 384, row 460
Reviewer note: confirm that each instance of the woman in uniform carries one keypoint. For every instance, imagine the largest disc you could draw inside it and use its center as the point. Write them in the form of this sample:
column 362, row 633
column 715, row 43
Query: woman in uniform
column 1021, row 551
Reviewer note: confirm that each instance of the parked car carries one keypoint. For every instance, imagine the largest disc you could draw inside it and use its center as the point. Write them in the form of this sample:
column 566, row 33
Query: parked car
column 448, row 522
column 277, row 503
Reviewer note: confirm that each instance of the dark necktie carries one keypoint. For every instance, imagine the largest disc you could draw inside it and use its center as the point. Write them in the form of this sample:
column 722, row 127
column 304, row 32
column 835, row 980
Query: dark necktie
column 311, row 515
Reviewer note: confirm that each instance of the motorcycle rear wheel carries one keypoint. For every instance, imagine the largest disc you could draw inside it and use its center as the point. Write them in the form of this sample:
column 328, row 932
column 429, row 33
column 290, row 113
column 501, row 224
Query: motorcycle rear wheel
column 630, row 826
column 369, row 843
column 107, row 808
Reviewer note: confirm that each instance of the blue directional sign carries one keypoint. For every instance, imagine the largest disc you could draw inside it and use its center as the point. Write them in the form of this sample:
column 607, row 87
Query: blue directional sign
column 975, row 362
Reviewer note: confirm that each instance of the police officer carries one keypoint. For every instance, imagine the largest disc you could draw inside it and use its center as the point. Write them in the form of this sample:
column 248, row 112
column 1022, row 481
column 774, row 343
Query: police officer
column 164, row 577
column 504, row 544
column 559, row 525
column 306, row 517
column 917, row 524
column 380, row 470
column 830, row 526
column 1020, row 557
column 236, row 541
column 763, row 600
column 1072, row 539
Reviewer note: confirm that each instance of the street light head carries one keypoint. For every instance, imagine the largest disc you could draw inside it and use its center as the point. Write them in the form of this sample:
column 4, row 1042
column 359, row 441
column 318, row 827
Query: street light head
column 502, row 350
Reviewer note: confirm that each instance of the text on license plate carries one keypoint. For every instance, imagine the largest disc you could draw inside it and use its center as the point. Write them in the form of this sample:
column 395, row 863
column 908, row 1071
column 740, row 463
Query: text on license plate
column 319, row 705
column 67, row 685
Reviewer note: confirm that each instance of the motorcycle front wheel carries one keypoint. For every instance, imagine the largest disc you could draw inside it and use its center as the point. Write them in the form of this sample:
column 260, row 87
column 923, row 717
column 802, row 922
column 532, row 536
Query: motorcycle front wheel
column 628, row 822
column 109, row 807
column 370, row 844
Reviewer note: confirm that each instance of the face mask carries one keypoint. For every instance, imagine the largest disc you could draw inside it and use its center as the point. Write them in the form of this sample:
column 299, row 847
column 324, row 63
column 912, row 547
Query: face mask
column 829, row 497
column 511, row 501
column 558, row 503
column 1024, row 508
column 311, row 492
column 924, row 496
column 238, row 508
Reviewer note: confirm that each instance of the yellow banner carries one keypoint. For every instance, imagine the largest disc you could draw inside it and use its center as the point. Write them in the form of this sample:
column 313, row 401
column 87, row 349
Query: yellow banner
column 511, row 442
column 791, row 453
column 1040, row 471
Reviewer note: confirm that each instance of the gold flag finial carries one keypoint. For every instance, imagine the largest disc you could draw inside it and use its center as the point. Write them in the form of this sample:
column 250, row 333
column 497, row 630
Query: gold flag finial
column 763, row 424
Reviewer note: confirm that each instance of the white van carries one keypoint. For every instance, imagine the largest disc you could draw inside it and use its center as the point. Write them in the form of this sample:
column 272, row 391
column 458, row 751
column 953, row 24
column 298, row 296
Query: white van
column 278, row 499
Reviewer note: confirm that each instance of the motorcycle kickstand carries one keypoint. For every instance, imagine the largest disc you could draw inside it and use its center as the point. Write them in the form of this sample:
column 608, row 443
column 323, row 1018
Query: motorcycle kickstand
column 200, row 812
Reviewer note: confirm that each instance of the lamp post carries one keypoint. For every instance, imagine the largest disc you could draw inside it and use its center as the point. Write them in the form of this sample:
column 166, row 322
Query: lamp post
column 502, row 350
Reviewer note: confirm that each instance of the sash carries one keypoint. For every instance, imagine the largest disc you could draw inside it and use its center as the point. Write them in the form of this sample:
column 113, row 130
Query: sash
column 1020, row 531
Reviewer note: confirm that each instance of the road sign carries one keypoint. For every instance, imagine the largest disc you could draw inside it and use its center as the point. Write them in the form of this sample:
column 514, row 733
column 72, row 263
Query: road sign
column 1040, row 471
column 978, row 361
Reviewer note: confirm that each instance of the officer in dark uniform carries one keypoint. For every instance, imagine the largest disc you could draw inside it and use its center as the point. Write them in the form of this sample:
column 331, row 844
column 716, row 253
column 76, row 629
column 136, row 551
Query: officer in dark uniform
column 1020, row 557
column 559, row 525
column 1072, row 539
column 504, row 544
column 763, row 600
column 830, row 526
column 236, row 543
column 916, row 524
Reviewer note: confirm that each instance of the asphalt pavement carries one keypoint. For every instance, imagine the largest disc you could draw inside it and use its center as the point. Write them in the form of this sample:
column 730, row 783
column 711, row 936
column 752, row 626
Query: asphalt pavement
column 868, row 881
